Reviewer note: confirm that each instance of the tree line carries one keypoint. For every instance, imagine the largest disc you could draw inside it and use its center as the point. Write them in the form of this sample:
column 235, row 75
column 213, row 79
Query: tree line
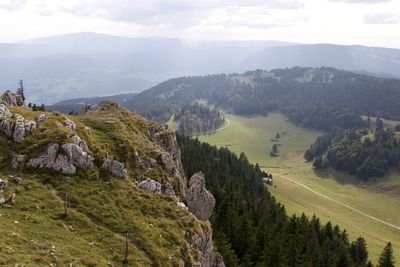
column 252, row 229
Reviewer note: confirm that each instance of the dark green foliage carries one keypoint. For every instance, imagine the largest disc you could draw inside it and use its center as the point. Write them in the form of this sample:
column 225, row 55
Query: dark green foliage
column 250, row 227
column 346, row 151
column 196, row 119
column 386, row 259
column 322, row 98
column 35, row 107
column 274, row 151
column 359, row 252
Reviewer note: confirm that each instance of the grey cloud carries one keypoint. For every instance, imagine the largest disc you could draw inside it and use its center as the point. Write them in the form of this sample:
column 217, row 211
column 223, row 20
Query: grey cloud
column 12, row 5
column 361, row 1
column 382, row 18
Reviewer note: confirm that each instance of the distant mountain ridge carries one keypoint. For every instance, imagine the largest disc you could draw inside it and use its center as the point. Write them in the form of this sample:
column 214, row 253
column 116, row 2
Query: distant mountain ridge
column 90, row 64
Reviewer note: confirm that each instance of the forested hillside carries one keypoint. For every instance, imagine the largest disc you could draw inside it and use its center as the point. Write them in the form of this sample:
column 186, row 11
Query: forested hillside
column 252, row 229
column 306, row 95
column 197, row 119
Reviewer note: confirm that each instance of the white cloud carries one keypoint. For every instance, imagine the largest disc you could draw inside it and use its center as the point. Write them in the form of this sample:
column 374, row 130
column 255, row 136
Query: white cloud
column 362, row 1
column 382, row 18
column 308, row 21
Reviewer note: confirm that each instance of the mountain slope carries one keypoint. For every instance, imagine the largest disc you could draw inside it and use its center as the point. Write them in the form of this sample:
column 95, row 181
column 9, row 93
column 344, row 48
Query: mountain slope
column 121, row 174
column 354, row 58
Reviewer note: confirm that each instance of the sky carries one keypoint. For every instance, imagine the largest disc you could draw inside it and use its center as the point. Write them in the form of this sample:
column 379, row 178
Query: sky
column 364, row 22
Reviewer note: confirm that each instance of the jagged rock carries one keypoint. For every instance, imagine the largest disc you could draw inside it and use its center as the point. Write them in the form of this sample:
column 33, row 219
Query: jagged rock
column 167, row 161
column 18, row 162
column 77, row 156
column 150, row 185
column 66, row 163
column 169, row 190
column 115, row 167
column 10, row 99
column 167, row 140
column 200, row 202
column 79, row 142
column 22, row 128
column 70, row 124
column 87, row 130
column 41, row 118
column 207, row 257
column 4, row 112
column 3, row 184
column 15, row 129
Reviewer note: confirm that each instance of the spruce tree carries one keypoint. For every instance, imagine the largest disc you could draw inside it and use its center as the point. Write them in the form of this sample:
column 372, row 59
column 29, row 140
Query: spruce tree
column 386, row 259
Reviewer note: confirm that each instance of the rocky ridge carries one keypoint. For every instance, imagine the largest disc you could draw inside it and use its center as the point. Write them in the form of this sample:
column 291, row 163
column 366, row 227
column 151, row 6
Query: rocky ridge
column 78, row 143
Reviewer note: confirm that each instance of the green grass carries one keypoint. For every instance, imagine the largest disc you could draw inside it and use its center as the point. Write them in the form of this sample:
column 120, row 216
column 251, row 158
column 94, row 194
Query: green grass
column 255, row 136
column 103, row 207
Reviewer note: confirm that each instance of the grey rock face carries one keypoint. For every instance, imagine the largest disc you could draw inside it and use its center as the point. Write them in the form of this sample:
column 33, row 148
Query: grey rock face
column 70, row 125
column 207, row 257
column 4, row 112
column 10, row 99
column 115, row 167
column 168, row 142
column 18, row 162
column 199, row 201
column 16, row 130
column 169, row 190
column 3, row 184
column 150, row 185
column 72, row 156
column 18, row 180
column 79, row 142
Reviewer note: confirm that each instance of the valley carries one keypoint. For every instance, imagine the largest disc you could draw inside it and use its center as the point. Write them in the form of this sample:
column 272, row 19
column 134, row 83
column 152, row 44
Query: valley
column 331, row 195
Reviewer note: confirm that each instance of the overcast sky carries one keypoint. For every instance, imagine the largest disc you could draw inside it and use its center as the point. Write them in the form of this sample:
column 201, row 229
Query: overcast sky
column 366, row 22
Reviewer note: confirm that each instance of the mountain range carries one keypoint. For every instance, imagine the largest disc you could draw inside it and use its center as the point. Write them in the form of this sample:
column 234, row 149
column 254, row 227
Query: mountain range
column 90, row 64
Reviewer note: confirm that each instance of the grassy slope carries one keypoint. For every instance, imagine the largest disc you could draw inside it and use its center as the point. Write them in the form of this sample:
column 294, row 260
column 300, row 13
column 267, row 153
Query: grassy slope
column 253, row 136
column 103, row 207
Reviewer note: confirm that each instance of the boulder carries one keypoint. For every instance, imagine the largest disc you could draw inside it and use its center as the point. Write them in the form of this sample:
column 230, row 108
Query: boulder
column 167, row 161
column 70, row 125
column 10, row 99
column 150, row 185
column 200, row 202
column 4, row 112
column 169, row 190
column 41, row 118
column 3, row 184
column 18, row 162
column 17, row 180
column 73, row 156
column 22, row 128
column 77, row 156
column 115, row 167
column 79, row 142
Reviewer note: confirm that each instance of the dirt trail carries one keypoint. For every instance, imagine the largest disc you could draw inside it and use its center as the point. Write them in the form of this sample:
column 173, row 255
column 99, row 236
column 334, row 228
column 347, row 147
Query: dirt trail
column 338, row 202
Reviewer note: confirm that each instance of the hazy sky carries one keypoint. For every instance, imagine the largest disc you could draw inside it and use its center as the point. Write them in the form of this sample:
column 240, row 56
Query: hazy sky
column 367, row 22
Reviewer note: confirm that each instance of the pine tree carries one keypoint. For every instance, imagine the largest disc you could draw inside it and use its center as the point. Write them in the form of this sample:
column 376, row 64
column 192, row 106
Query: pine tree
column 386, row 259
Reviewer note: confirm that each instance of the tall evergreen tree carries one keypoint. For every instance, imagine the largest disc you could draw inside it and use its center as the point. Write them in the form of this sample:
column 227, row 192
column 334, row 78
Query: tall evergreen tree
column 386, row 259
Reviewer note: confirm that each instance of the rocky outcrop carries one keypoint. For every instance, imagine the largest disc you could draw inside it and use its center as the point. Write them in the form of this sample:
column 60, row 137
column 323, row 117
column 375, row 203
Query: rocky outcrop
column 169, row 190
column 14, row 126
column 115, row 167
column 172, row 159
column 102, row 106
column 64, row 159
column 9, row 99
column 79, row 142
column 206, row 256
column 3, row 184
column 70, row 125
column 150, row 185
column 41, row 118
column 199, row 201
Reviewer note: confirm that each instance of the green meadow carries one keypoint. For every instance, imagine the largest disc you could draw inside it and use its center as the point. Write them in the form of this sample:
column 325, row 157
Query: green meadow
column 359, row 207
